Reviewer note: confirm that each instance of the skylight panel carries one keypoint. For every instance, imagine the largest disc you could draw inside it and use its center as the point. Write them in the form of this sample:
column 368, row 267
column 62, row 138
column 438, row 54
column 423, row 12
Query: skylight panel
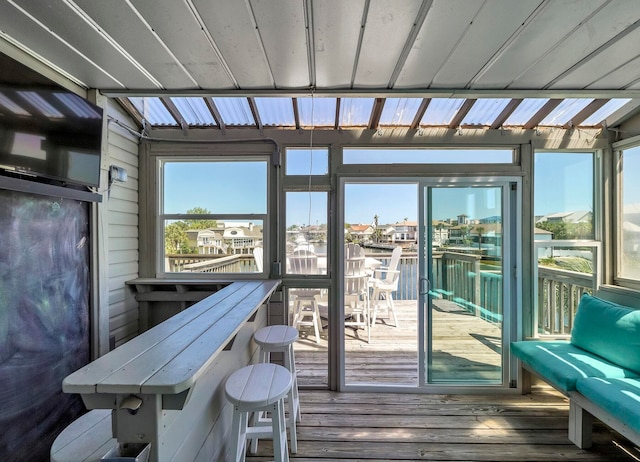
column 234, row 111
column 399, row 111
column 276, row 111
column 323, row 110
column 78, row 106
column 485, row 111
column 355, row 112
column 441, row 111
column 8, row 104
column 605, row 111
column 525, row 111
column 42, row 105
column 153, row 111
column 565, row 111
column 194, row 111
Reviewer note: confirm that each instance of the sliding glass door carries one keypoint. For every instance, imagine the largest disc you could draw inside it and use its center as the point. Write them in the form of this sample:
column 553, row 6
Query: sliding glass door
column 465, row 287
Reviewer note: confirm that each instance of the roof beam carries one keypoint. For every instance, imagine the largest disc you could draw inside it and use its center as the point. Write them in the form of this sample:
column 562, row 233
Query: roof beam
column 376, row 113
column 175, row 113
column 384, row 92
column 542, row 113
column 311, row 43
column 462, row 112
column 215, row 113
column 256, row 114
column 296, row 112
column 581, row 116
column 506, row 112
column 420, row 113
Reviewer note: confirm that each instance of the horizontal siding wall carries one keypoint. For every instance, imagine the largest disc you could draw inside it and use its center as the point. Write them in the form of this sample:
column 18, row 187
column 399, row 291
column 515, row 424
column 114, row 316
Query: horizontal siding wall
column 122, row 230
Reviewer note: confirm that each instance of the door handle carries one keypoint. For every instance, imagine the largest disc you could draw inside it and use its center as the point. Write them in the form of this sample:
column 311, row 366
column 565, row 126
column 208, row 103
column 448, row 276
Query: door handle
column 424, row 282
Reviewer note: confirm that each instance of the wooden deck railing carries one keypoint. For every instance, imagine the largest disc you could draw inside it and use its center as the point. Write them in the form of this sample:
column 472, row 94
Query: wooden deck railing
column 460, row 278
column 559, row 293
column 241, row 263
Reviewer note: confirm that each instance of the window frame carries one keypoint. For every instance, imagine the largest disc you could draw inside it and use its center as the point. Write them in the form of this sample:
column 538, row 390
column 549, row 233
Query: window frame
column 617, row 212
column 161, row 217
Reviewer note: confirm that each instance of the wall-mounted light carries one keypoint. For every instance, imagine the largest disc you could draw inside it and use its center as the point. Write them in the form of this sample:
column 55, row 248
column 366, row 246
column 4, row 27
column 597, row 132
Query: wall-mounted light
column 117, row 174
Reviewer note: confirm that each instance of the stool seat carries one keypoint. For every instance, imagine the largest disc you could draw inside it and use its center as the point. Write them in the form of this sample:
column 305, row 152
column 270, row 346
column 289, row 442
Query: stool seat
column 258, row 385
column 259, row 388
column 275, row 338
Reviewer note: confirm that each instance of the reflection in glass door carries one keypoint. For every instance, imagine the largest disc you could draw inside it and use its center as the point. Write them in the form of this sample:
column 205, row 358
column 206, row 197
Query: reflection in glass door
column 464, row 285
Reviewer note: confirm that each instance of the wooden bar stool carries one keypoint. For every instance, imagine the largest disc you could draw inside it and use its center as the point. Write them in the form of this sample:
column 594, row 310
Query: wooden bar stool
column 259, row 388
column 280, row 339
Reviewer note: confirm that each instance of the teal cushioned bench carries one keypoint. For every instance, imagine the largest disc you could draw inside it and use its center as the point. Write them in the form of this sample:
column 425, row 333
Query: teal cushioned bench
column 562, row 364
column 618, row 397
column 605, row 341
column 599, row 368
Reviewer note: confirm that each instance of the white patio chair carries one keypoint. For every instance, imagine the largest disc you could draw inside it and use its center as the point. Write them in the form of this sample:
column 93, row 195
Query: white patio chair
column 356, row 293
column 384, row 284
column 258, row 257
column 305, row 304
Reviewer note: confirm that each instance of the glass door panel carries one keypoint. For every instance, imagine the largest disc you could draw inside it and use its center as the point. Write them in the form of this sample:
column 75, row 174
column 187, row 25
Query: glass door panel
column 464, row 248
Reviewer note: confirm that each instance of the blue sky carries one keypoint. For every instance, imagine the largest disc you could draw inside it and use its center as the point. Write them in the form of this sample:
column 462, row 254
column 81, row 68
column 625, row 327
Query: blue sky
column 562, row 183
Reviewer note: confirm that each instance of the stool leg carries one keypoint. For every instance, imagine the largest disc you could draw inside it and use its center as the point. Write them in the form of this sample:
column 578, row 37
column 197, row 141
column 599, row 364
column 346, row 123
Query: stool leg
column 292, row 423
column 239, row 434
column 280, row 450
column 290, row 363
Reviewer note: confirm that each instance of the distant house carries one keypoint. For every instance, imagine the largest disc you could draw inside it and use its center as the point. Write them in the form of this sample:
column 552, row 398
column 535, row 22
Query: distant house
column 206, row 241
column 361, row 233
column 241, row 238
column 406, row 231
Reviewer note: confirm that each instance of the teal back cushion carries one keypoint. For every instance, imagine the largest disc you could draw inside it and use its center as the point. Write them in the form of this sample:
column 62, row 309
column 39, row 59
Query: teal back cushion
column 608, row 330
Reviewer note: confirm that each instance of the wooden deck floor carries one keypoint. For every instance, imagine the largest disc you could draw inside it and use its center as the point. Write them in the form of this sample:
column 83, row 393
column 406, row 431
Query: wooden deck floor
column 409, row 427
column 465, row 347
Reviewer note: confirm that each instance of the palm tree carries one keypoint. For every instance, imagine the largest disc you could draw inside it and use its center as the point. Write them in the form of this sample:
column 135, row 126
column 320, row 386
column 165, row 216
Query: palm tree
column 480, row 230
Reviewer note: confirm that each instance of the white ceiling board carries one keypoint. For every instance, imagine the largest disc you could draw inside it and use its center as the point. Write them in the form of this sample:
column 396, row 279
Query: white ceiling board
column 602, row 27
column 336, row 30
column 494, row 24
column 41, row 41
column 284, row 37
column 177, row 27
column 618, row 54
column 388, row 25
column 121, row 23
column 67, row 25
column 232, row 27
column 445, row 23
column 556, row 20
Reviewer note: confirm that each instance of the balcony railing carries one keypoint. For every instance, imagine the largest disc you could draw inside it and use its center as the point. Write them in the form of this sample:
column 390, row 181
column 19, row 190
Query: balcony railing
column 461, row 278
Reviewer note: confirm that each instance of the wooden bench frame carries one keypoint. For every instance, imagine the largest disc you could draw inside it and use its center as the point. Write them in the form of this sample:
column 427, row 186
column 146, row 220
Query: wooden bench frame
column 175, row 372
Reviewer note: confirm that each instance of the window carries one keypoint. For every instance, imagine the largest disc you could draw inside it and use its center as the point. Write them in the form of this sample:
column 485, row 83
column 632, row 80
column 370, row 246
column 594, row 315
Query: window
column 213, row 214
column 567, row 254
column 306, row 232
column 428, row 156
column 629, row 213
column 307, row 161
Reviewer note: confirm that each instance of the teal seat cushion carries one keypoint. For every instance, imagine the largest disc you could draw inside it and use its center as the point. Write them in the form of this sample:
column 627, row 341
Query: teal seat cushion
column 620, row 397
column 608, row 330
column 561, row 363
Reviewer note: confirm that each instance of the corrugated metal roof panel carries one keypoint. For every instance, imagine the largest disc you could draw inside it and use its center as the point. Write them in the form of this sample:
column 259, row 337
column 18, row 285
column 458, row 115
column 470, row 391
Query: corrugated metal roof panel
column 485, row 111
column 565, row 110
column 194, row 111
column 399, row 111
column 234, row 111
column 153, row 111
column 276, row 111
column 525, row 111
column 355, row 112
column 605, row 111
column 317, row 112
column 441, row 111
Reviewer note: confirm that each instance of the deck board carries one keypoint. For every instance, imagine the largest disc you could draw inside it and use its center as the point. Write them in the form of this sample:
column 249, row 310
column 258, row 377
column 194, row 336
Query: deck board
column 372, row 427
column 393, row 427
